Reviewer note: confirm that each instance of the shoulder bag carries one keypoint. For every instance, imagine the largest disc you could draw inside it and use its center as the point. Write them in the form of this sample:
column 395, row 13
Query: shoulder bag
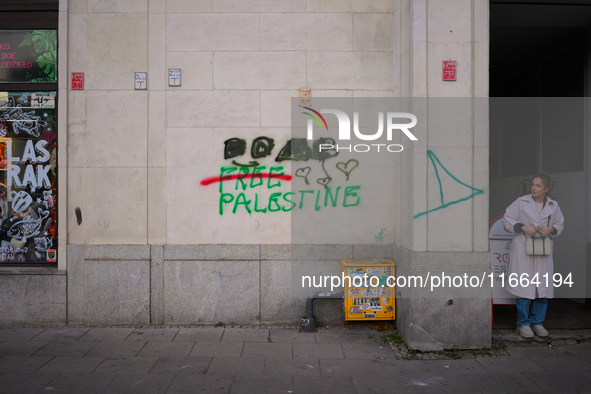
column 538, row 246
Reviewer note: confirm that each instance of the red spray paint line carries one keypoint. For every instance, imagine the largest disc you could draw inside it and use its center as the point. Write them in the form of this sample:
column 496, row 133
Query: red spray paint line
column 215, row 179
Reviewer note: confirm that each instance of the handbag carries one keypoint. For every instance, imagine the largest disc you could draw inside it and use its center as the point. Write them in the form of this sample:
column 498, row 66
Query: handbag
column 538, row 246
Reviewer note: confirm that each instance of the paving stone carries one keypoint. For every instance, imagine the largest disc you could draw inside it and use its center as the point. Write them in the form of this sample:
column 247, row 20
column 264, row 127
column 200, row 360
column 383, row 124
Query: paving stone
column 201, row 334
column 106, row 334
column 581, row 350
column 352, row 368
column 20, row 348
column 268, row 384
column 164, row 334
column 291, row 335
column 19, row 334
column 393, row 384
column 14, row 383
column 127, row 365
column 323, row 384
column 408, row 367
column 116, row 349
column 77, row 365
column 140, row 384
column 217, row 349
column 201, row 384
column 181, row 365
column 561, row 362
column 452, row 383
column 293, row 366
column 318, row 350
column 560, row 381
column 503, row 383
column 367, row 351
column 455, row 366
column 245, row 334
column 328, row 336
column 79, row 383
column 530, row 351
column 166, row 349
column 239, row 366
column 267, row 350
column 511, row 364
column 21, row 364
column 60, row 334
column 65, row 349
column 372, row 337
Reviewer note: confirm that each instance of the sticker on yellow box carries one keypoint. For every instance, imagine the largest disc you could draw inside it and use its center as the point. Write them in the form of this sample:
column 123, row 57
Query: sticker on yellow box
column 369, row 315
column 355, row 311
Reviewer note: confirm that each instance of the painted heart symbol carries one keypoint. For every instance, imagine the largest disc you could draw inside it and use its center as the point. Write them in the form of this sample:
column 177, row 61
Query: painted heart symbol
column 303, row 173
column 347, row 167
column 20, row 201
column 324, row 181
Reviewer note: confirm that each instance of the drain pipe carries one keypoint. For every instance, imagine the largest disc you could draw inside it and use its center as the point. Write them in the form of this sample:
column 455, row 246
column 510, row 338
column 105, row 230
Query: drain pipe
column 309, row 321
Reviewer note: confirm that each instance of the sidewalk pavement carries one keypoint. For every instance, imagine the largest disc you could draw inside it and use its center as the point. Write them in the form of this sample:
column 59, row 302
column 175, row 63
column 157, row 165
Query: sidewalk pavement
column 86, row 360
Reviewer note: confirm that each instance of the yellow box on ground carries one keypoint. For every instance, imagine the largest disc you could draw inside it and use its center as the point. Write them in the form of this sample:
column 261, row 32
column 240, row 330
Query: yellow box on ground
column 369, row 293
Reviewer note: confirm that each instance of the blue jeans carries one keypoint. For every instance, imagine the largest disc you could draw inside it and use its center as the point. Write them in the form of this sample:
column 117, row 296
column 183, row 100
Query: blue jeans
column 535, row 315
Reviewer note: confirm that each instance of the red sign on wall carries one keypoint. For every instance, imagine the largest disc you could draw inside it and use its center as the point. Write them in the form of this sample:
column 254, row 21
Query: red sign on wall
column 449, row 70
column 77, row 81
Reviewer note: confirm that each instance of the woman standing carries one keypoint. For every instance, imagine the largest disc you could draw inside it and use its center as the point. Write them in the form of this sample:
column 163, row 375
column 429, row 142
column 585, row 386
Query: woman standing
column 535, row 214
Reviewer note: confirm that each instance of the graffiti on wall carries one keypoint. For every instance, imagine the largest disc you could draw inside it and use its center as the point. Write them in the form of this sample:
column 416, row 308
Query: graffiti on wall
column 255, row 187
column 436, row 165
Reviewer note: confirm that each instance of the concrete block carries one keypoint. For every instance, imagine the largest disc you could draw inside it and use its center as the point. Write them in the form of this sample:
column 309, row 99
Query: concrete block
column 157, row 206
column 276, row 252
column 276, row 107
column 450, row 21
column 450, row 123
column 209, row 292
column 117, row 128
column 277, row 302
column 77, row 49
column 418, row 14
column 373, row 32
column 481, row 203
column 232, row 252
column 321, row 252
column 450, row 227
column 183, row 145
column 77, row 199
column 190, row 224
column 213, row 108
column 481, row 21
column 116, row 252
column 462, row 53
column 435, row 325
column 418, row 69
column 157, row 284
column 372, row 251
column 77, row 150
column 481, row 65
column 386, row 6
column 116, row 222
column 114, row 6
column 156, row 129
column 328, row 5
column 336, row 31
column 184, row 187
column 259, row 70
column 157, row 72
column 350, row 70
column 184, row 252
column 212, row 32
column 32, row 299
column 196, row 69
column 259, row 6
column 373, row 93
column 186, row 6
column 76, row 110
column 77, row 6
column 105, row 44
column 116, row 292
column 157, row 6
column 75, row 278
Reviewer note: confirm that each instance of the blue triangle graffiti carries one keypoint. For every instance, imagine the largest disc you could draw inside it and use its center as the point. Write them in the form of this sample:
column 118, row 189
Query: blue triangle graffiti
column 435, row 161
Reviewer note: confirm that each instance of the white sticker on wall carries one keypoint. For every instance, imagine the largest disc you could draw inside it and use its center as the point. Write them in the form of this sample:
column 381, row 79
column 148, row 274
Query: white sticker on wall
column 174, row 77
column 141, row 81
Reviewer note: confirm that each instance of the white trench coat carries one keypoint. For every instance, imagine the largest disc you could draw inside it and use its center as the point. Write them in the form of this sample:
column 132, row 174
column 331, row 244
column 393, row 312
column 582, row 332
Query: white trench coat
column 523, row 210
